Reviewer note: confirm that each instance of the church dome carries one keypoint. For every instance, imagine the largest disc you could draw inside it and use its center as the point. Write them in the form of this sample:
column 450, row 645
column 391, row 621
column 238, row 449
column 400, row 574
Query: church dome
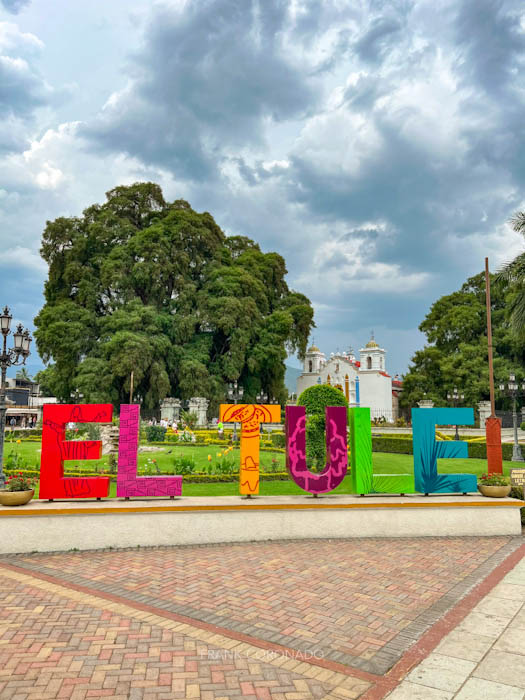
column 371, row 344
column 313, row 348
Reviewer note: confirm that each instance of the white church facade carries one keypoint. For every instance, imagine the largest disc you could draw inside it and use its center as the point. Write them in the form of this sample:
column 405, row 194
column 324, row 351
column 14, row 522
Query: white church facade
column 365, row 382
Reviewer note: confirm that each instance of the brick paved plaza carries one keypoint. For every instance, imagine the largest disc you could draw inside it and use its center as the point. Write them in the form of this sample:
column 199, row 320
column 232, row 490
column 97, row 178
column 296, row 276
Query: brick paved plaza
column 281, row 620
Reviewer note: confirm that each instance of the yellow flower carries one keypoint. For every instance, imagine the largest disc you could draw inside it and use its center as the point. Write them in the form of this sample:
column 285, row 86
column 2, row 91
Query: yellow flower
column 219, row 454
column 18, row 442
column 209, row 458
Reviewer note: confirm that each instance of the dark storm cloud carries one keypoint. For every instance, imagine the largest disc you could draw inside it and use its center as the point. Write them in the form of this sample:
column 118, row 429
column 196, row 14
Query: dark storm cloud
column 205, row 81
column 492, row 43
column 14, row 6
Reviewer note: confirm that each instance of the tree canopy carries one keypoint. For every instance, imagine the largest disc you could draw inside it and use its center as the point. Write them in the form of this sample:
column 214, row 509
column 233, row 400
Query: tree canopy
column 140, row 284
column 457, row 350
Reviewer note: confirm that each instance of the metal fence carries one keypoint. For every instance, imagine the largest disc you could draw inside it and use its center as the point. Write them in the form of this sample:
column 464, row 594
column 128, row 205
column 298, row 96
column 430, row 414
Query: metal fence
column 506, row 418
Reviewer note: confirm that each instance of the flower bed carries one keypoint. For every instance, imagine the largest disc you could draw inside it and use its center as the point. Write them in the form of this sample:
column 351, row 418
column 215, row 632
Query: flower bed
column 189, row 478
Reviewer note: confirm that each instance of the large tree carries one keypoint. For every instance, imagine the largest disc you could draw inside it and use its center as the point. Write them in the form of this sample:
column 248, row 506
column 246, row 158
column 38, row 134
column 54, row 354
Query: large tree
column 140, row 284
column 457, row 350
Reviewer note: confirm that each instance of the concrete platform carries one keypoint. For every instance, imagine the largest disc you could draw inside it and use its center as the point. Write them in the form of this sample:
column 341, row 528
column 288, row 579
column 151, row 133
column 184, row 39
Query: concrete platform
column 41, row 526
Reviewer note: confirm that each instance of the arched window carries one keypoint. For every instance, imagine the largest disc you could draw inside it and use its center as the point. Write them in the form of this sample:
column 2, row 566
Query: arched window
column 369, row 362
column 328, row 380
column 310, row 366
column 337, row 368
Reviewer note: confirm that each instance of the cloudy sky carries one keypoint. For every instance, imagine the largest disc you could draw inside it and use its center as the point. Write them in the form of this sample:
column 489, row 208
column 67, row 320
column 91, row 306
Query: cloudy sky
column 377, row 145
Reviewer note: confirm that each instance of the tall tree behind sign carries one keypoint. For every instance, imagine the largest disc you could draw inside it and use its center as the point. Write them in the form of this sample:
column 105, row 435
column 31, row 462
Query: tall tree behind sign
column 140, row 284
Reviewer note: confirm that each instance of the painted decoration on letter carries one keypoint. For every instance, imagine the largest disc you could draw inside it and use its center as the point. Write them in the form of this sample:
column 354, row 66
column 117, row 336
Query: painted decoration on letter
column 336, row 449
column 427, row 451
column 250, row 416
column 55, row 450
column 494, row 451
column 362, row 476
column 128, row 483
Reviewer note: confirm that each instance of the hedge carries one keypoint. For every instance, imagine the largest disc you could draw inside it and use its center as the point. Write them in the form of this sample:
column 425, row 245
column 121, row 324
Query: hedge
column 396, row 445
column 188, row 478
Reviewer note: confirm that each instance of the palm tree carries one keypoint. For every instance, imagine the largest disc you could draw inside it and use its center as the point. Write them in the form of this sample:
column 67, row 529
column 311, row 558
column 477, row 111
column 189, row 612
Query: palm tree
column 513, row 273
column 23, row 374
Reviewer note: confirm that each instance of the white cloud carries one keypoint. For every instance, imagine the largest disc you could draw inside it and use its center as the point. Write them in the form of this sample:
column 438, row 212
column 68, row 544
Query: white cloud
column 13, row 40
column 25, row 258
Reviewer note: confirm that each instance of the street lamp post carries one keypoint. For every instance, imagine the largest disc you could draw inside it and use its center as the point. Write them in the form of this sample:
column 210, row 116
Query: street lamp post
column 235, row 392
column 513, row 390
column 16, row 355
column 456, row 399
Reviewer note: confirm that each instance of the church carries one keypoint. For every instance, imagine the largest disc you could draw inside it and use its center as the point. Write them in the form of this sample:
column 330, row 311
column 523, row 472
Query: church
column 364, row 382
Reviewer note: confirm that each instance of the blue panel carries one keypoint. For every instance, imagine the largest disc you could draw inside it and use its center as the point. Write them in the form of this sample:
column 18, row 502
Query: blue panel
column 427, row 451
column 357, row 400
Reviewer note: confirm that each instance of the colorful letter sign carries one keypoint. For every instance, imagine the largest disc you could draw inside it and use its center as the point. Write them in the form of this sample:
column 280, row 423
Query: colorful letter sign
column 362, row 476
column 426, row 479
column 336, row 449
column 128, row 483
column 55, row 449
column 427, row 451
column 250, row 416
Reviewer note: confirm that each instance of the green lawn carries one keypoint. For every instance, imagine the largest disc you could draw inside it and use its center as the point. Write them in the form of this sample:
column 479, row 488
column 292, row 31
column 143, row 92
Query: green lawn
column 383, row 464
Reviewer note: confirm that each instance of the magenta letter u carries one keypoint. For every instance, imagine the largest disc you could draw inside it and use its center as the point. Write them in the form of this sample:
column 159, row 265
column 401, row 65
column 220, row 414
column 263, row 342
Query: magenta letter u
column 336, row 449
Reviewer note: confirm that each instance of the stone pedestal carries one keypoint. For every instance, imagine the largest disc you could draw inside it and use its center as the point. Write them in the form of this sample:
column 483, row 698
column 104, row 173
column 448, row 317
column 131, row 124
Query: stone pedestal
column 170, row 410
column 109, row 437
column 199, row 406
column 425, row 403
column 484, row 412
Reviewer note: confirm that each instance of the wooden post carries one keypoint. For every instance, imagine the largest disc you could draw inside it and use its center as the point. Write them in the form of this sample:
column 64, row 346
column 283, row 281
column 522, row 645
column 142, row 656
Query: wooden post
column 489, row 340
column 492, row 424
column 131, row 388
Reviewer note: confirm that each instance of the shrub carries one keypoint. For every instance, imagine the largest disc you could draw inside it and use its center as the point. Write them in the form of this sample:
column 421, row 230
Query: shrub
column 278, row 439
column 315, row 399
column 393, row 444
column 155, row 433
column 522, row 426
column 185, row 464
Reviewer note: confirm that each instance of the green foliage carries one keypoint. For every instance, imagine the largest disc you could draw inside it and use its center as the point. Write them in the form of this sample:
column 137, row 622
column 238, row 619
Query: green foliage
column 140, row 284
column 189, row 419
column 315, row 399
column 401, row 444
column 278, row 439
column 184, row 464
column 155, row 433
column 522, row 426
column 14, row 460
column 457, row 351
column 396, row 445
column 513, row 275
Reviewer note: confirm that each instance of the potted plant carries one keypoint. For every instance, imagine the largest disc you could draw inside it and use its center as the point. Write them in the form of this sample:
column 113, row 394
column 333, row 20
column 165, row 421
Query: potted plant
column 494, row 485
column 19, row 490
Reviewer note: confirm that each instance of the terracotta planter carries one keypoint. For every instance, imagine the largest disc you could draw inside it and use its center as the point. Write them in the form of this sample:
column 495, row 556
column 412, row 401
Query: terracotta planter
column 16, row 498
column 494, row 491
